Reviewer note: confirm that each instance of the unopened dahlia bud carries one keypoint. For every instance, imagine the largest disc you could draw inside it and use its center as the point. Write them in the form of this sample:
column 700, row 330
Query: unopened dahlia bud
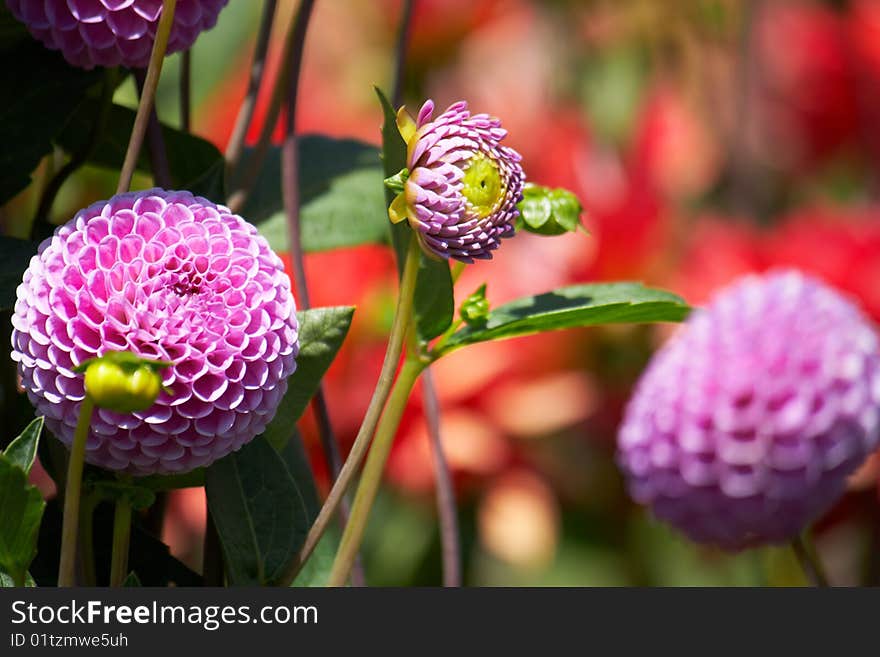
column 167, row 276
column 461, row 185
column 108, row 33
column 745, row 425
column 474, row 310
column 122, row 382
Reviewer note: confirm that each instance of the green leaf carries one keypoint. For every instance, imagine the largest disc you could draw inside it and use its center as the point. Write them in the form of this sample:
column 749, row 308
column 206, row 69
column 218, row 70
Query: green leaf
column 260, row 509
column 6, row 580
column 195, row 164
column 321, row 333
column 21, row 510
column 434, row 305
column 570, row 307
column 322, row 160
column 40, row 92
column 15, row 255
column 316, row 571
column 23, row 450
column 350, row 212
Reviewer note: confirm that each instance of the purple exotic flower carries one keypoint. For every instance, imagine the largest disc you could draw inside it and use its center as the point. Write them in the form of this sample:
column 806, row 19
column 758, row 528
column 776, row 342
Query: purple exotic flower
column 461, row 185
column 747, row 422
column 93, row 33
column 166, row 276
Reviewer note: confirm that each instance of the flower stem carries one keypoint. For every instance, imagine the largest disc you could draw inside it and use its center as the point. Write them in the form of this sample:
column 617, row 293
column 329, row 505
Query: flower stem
column 148, row 97
column 809, row 560
column 155, row 142
column 235, row 148
column 371, row 418
column 372, row 474
column 186, row 90
column 400, row 48
column 290, row 60
column 447, row 510
column 70, row 525
column 87, row 538
column 290, row 195
column 121, row 539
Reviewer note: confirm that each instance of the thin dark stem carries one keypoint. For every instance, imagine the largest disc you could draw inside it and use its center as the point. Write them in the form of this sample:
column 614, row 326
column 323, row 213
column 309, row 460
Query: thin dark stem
column 809, row 561
column 235, row 148
column 446, row 507
column 186, row 90
column 42, row 226
column 290, row 193
column 148, row 97
column 212, row 557
column 290, row 61
column 403, row 32
column 155, row 142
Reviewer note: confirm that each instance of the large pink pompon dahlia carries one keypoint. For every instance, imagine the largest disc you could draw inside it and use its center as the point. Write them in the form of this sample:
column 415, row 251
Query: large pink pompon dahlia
column 745, row 425
column 463, row 185
column 108, row 33
column 167, row 276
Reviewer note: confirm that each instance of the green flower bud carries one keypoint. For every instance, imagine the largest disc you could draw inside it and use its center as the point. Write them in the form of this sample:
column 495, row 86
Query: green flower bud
column 475, row 309
column 548, row 211
column 122, row 382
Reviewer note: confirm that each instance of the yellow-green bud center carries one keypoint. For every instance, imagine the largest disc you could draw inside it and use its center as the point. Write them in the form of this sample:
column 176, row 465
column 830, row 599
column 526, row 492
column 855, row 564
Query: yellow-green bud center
column 482, row 185
column 122, row 389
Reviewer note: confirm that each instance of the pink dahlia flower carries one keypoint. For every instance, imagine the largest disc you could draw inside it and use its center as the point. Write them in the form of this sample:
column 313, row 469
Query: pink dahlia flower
column 108, row 33
column 463, row 185
column 167, row 276
column 747, row 422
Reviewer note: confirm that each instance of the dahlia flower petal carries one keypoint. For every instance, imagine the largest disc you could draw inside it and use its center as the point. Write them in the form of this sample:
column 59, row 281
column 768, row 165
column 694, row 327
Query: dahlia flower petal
column 745, row 425
column 463, row 185
column 131, row 274
column 108, row 33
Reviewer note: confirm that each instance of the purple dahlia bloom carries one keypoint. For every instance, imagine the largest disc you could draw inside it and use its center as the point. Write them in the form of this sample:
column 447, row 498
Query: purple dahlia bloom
column 167, row 276
column 745, row 425
column 463, row 185
column 93, row 33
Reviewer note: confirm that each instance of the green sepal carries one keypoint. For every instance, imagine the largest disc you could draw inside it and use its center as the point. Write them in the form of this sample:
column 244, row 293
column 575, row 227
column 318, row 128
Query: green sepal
column 124, row 359
column 397, row 182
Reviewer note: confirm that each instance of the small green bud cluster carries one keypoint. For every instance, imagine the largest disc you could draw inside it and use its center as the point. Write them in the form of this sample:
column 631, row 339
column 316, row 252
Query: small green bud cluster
column 548, row 211
column 475, row 309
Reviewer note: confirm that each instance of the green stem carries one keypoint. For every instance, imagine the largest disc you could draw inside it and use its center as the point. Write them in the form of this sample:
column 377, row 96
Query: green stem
column 148, row 97
column 121, row 540
column 87, row 539
column 809, row 560
column 372, row 474
column 70, row 525
column 371, row 418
